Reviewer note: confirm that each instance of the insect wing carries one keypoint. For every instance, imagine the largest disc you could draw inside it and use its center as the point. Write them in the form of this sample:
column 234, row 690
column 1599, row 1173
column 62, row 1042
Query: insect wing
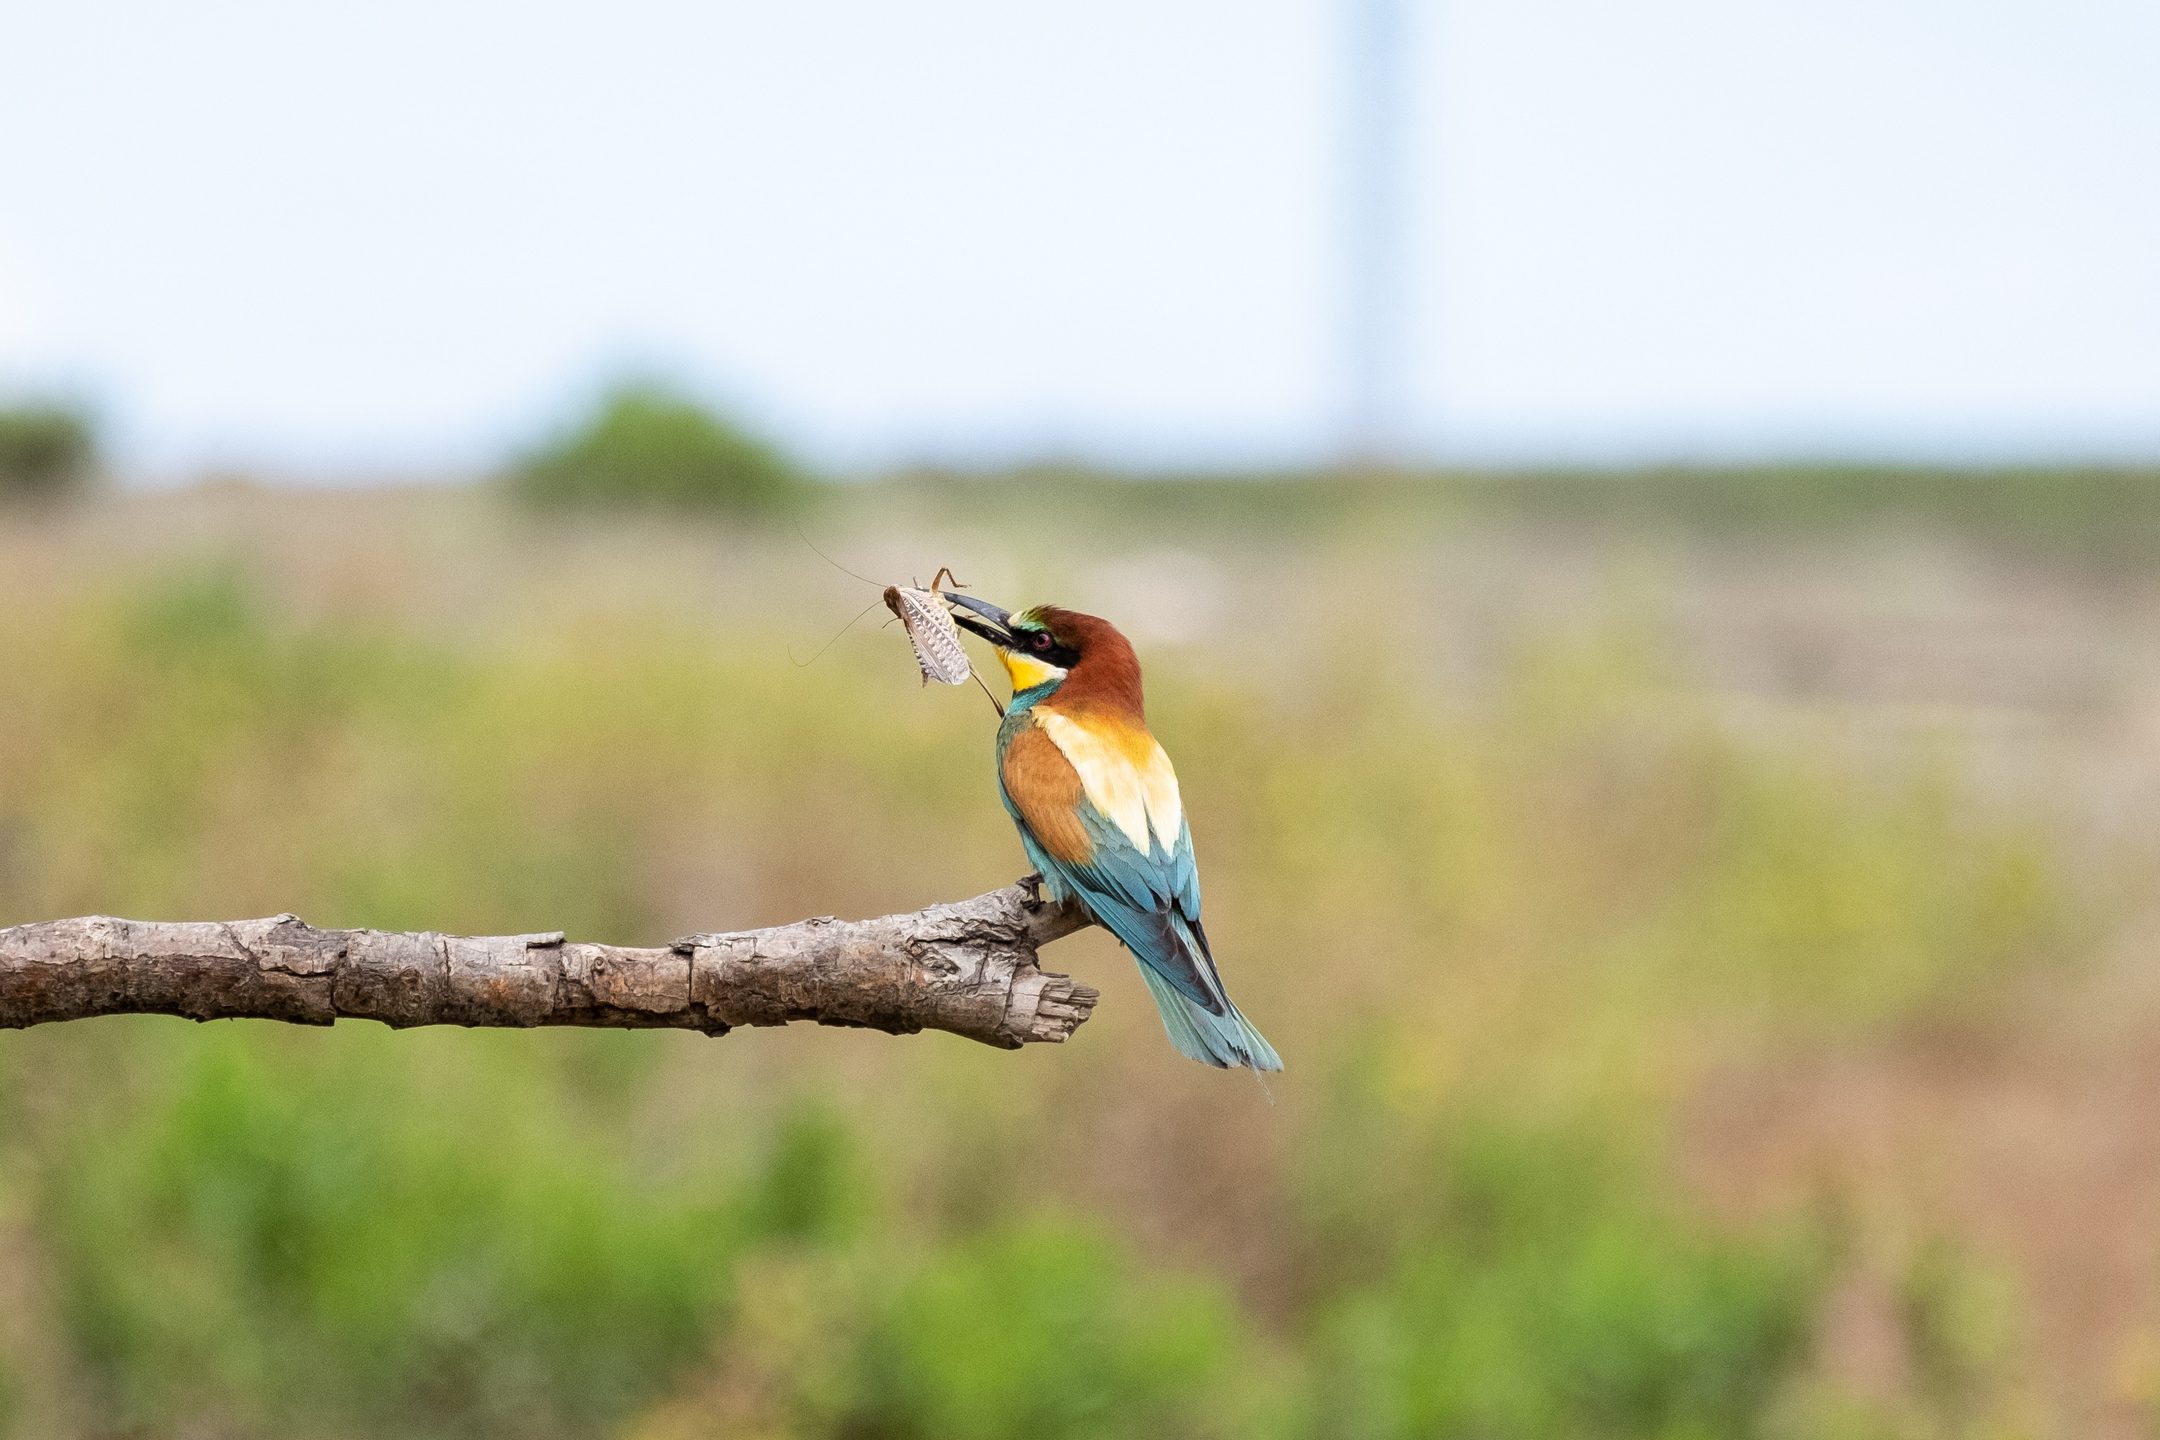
column 936, row 639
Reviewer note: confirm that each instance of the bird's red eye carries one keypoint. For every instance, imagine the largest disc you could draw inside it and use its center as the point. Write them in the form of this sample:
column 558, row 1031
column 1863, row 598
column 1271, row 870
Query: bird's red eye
column 1041, row 640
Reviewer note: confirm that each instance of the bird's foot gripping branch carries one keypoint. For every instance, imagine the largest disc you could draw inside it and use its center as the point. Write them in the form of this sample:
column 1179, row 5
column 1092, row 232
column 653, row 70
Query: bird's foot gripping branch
column 968, row 968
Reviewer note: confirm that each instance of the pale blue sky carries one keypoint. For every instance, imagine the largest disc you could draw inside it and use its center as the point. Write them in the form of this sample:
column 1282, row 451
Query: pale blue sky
column 400, row 234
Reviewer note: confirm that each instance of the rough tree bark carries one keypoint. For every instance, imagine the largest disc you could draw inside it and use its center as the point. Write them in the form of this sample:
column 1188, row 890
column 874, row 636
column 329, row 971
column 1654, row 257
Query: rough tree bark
column 968, row 968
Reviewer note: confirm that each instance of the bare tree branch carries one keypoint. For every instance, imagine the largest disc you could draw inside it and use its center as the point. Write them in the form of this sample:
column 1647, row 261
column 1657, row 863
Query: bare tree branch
column 968, row 968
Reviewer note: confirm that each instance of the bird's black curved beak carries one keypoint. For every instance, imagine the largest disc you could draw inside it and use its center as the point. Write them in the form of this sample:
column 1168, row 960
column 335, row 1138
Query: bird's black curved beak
column 984, row 619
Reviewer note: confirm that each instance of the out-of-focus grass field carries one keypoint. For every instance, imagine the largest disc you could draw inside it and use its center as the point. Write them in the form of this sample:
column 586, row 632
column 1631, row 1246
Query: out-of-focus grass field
column 1706, row 944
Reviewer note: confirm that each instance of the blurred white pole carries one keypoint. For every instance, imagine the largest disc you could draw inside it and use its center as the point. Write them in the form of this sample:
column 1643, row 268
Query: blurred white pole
column 1374, row 241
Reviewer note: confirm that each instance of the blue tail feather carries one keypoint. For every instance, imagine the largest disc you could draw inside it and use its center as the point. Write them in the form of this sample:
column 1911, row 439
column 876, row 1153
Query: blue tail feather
column 1224, row 1041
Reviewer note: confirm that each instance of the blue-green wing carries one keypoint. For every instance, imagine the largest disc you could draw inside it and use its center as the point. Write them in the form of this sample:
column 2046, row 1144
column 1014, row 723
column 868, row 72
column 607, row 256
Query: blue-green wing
column 1150, row 900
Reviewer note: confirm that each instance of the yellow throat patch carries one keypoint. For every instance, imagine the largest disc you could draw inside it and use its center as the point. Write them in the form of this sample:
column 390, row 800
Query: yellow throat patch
column 1027, row 672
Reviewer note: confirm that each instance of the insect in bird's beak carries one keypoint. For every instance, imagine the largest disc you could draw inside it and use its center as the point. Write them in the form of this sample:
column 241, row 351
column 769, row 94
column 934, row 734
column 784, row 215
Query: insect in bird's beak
column 928, row 614
column 929, row 624
column 987, row 620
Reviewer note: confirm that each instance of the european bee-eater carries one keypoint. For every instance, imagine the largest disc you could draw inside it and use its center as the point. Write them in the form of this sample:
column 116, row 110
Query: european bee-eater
column 1097, row 806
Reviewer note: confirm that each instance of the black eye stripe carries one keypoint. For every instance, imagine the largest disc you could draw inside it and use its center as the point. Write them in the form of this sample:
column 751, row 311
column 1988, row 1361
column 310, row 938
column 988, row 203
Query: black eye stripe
column 1044, row 646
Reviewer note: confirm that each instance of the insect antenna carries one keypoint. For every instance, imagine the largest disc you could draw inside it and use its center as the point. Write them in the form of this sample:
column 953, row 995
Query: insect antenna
column 806, row 664
column 832, row 562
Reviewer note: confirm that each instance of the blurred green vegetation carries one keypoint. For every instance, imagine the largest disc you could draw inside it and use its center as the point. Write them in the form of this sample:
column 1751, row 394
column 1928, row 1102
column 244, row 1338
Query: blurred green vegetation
column 647, row 445
column 492, row 1278
column 2090, row 515
column 46, row 450
column 1499, row 941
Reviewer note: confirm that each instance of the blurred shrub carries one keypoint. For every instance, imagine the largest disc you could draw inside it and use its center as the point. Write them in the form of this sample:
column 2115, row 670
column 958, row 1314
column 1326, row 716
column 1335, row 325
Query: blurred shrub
column 815, row 1189
column 648, row 445
column 285, row 1248
column 1518, row 1281
column 1956, row 1317
column 46, row 450
column 1051, row 1330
